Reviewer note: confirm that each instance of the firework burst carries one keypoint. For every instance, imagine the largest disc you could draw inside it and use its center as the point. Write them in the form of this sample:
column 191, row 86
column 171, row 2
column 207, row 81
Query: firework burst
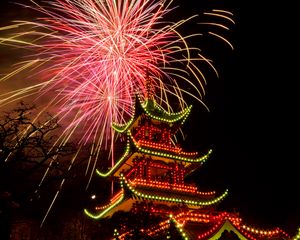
column 92, row 56
column 89, row 54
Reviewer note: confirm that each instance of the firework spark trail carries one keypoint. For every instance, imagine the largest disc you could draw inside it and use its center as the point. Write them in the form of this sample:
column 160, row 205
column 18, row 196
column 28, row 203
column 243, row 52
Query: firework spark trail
column 95, row 55
column 92, row 56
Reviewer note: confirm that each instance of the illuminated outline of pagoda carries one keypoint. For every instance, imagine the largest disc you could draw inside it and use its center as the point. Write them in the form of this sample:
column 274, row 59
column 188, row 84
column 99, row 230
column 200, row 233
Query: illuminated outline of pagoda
column 152, row 173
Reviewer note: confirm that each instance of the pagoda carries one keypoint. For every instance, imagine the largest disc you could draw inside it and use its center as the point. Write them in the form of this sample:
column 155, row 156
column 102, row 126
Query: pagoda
column 152, row 177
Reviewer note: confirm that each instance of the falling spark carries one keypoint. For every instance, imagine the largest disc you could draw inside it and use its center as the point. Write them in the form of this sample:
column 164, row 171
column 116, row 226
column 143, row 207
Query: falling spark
column 91, row 57
column 217, row 35
column 94, row 56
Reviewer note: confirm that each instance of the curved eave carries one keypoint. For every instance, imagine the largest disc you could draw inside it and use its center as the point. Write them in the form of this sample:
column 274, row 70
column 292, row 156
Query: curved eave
column 152, row 109
column 118, row 164
column 162, row 154
column 106, row 210
column 121, row 128
column 170, row 199
column 263, row 234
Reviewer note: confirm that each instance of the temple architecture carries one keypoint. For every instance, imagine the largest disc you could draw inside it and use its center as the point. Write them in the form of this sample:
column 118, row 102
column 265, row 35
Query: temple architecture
column 151, row 175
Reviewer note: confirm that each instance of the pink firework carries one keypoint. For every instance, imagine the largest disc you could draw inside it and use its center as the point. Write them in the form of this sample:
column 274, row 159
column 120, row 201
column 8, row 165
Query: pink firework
column 90, row 57
column 95, row 55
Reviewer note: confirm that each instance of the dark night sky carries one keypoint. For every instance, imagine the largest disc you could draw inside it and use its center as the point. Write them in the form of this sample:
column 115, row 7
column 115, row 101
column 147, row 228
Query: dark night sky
column 253, row 124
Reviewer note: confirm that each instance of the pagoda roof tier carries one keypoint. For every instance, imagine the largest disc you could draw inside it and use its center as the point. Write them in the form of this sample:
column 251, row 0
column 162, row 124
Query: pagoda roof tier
column 145, row 145
column 210, row 226
column 158, row 192
column 174, row 187
column 152, row 109
column 181, row 156
column 118, row 203
column 132, row 150
column 132, row 193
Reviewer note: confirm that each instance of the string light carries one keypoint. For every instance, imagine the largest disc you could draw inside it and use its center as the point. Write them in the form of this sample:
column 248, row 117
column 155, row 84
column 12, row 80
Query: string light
column 151, row 172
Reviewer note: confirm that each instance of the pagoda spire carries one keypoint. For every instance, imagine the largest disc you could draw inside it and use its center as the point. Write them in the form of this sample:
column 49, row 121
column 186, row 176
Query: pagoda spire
column 149, row 88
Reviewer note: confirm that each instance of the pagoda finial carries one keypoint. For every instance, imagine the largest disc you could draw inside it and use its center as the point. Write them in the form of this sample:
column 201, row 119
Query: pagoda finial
column 149, row 87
